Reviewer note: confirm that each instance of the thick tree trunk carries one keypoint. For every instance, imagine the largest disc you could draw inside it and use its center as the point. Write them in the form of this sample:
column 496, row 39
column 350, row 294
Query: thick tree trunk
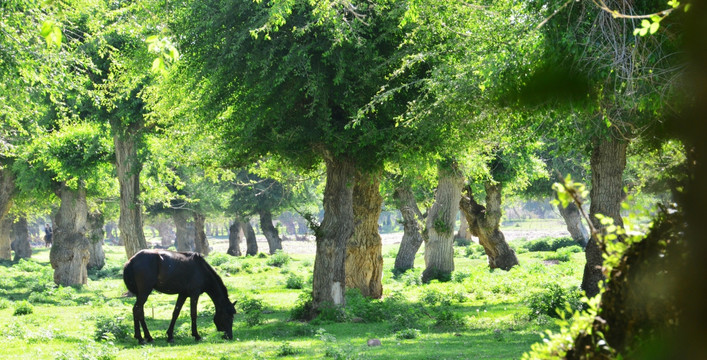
column 95, row 235
column 484, row 223
column 128, row 168
column 573, row 220
column 20, row 244
column 7, row 191
column 70, row 252
column 234, row 239
column 608, row 162
column 250, row 240
column 333, row 233
column 412, row 237
column 111, row 233
column 167, row 235
column 463, row 232
column 270, row 232
column 185, row 234
column 201, row 244
column 364, row 260
column 439, row 250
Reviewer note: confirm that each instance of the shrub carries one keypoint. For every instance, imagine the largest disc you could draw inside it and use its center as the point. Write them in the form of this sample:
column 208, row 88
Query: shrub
column 286, row 350
column 552, row 299
column 407, row 334
column 432, row 297
column 109, row 328
column 370, row 310
column 329, row 313
column 303, row 309
column 4, row 303
column 294, row 281
column 549, row 244
column 460, row 276
column 218, row 259
column 23, row 308
column 252, row 310
column 446, row 317
column 475, row 251
column 278, row 259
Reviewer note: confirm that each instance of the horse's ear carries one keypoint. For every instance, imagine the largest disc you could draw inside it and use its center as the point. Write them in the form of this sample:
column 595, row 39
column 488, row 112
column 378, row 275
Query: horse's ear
column 234, row 302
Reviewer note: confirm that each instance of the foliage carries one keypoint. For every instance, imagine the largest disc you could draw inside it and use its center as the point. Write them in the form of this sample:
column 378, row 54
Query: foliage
column 252, row 309
column 278, row 259
column 111, row 327
column 89, row 351
column 294, row 281
column 286, row 349
column 407, row 334
column 554, row 301
column 303, row 309
column 548, row 244
column 23, row 308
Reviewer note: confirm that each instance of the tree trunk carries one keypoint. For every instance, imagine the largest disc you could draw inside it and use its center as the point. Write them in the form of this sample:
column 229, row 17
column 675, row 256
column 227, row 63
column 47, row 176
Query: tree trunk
column 463, row 232
column 287, row 219
column 484, row 223
column 167, row 236
column 110, row 233
column 573, row 220
column 7, row 191
column 364, row 261
column 234, row 239
column 70, row 252
column 270, row 232
column 128, row 167
column 250, row 240
column 333, row 233
column 608, row 162
column 412, row 237
column 439, row 250
column 201, row 244
column 94, row 224
column 181, row 219
column 21, row 245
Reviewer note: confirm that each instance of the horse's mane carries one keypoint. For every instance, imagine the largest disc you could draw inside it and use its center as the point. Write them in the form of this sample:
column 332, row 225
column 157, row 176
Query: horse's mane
column 214, row 274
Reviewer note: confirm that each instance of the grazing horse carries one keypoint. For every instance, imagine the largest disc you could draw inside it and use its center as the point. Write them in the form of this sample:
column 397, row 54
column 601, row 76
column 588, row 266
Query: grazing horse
column 184, row 273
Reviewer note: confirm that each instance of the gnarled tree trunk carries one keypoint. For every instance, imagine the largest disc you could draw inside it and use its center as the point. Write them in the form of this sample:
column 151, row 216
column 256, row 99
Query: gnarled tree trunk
column 270, row 232
column 412, row 237
column 573, row 220
column 439, row 250
column 250, row 240
column 364, row 261
column 201, row 244
column 20, row 244
column 70, row 249
column 333, row 233
column 484, row 223
column 234, row 239
column 608, row 162
column 95, row 235
column 128, row 167
column 7, row 191
column 184, row 235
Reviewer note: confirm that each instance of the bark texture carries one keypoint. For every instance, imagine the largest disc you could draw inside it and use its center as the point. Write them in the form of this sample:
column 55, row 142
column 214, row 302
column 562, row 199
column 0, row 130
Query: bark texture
column 7, row 191
column 484, row 223
column 364, row 261
column 250, row 240
column 128, row 168
column 412, row 236
column 167, row 235
column 608, row 162
column 70, row 252
column 463, row 232
column 185, row 232
column 20, row 244
column 234, row 239
column 573, row 220
column 331, row 236
column 270, row 231
column 95, row 235
column 439, row 244
column 201, row 244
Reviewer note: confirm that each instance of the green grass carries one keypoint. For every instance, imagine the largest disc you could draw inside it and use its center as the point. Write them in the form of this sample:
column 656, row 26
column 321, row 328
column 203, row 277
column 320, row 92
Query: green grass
column 482, row 315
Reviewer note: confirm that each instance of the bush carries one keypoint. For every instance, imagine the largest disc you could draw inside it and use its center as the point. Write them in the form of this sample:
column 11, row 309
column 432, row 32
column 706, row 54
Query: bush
column 460, row 276
column 23, row 308
column 475, row 251
column 407, row 334
column 549, row 244
column 294, row 281
column 218, row 259
column 446, row 317
column 552, row 299
column 286, row 350
column 370, row 310
column 278, row 259
column 109, row 328
column 252, row 310
column 303, row 309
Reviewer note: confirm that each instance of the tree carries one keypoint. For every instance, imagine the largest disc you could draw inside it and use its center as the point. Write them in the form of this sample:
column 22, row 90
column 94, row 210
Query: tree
column 412, row 223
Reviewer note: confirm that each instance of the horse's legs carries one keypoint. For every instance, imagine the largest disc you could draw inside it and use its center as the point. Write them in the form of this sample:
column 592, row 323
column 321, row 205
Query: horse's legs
column 175, row 315
column 192, row 305
column 139, row 318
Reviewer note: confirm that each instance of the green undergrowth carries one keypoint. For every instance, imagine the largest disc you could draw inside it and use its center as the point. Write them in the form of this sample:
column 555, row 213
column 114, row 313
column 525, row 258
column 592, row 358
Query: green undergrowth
column 480, row 313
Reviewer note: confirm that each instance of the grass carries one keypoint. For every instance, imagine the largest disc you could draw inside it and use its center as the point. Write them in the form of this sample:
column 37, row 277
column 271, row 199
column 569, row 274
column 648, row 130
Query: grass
column 483, row 314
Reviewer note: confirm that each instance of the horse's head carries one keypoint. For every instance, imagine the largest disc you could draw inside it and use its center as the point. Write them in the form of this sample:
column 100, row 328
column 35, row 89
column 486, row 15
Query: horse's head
column 223, row 319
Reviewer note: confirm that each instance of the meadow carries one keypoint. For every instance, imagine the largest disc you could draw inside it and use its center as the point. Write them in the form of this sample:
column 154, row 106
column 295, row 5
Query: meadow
column 478, row 314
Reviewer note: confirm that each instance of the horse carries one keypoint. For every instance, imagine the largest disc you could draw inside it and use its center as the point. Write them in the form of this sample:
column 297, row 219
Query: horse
column 184, row 273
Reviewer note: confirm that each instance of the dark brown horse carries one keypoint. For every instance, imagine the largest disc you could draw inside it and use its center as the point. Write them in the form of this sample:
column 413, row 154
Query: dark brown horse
column 184, row 273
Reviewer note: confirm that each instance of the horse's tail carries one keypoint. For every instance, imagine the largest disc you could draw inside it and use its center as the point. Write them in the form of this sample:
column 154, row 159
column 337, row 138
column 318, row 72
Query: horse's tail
column 129, row 277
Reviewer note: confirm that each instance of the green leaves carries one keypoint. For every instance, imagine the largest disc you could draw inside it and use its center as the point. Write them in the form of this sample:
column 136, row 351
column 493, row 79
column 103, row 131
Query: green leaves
column 165, row 50
column 51, row 32
column 648, row 26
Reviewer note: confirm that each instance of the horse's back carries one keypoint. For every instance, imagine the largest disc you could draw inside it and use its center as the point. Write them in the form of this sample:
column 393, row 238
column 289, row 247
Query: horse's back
column 169, row 272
